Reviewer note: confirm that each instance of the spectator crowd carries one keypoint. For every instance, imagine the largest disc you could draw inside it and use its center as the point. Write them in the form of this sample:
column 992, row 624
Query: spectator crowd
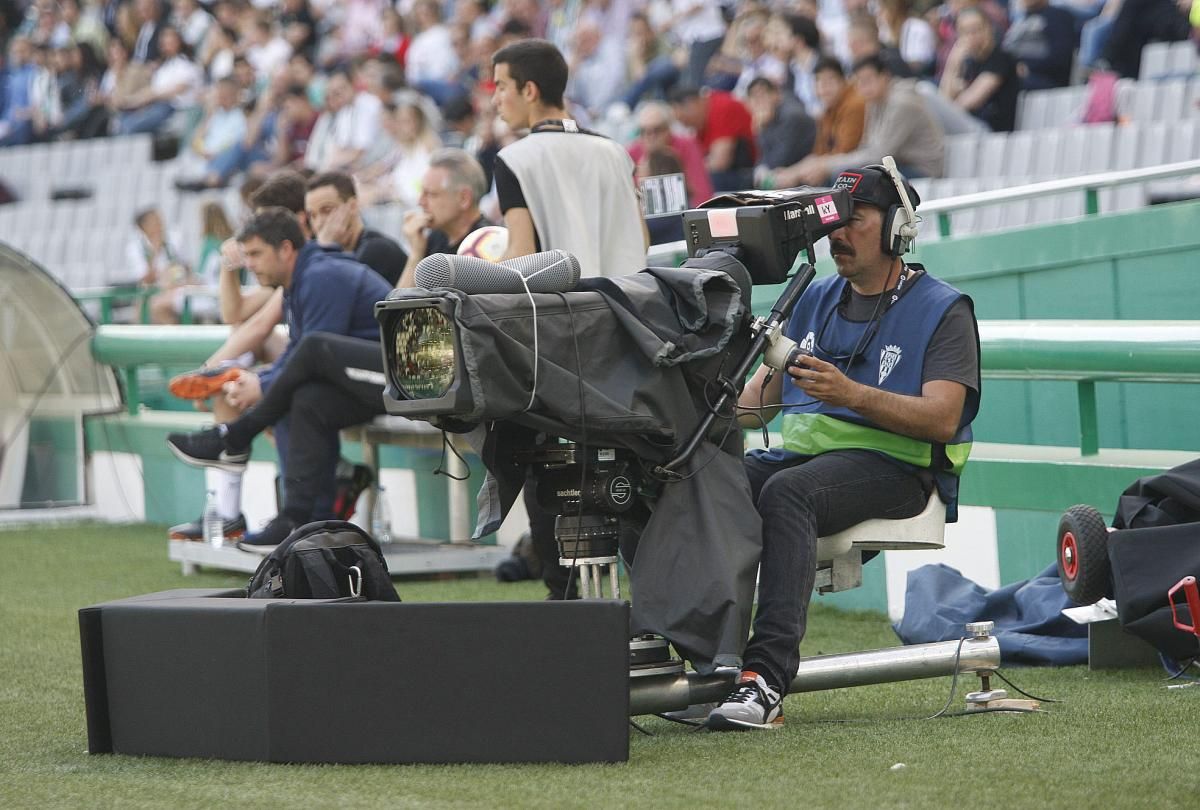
column 728, row 93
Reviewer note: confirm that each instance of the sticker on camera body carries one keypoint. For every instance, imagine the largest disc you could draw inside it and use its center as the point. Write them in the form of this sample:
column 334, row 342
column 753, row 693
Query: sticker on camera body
column 826, row 209
column 722, row 223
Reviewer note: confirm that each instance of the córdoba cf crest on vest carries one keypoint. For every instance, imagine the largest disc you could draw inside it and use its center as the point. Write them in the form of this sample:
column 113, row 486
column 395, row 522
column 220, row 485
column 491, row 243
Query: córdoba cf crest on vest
column 889, row 358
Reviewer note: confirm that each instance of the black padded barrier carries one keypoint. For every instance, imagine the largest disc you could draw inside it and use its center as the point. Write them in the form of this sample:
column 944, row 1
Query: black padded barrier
column 207, row 674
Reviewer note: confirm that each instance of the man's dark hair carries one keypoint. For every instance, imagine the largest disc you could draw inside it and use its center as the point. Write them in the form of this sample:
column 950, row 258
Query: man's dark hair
column 342, row 182
column 762, row 81
column 830, row 63
column 274, row 226
column 681, row 93
column 297, row 90
column 537, row 61
column 804, row 28
column 284, row 189
column 515, row 29
column 874, row 62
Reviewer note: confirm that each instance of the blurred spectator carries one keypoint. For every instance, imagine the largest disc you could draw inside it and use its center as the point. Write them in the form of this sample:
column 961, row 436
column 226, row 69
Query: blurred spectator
column 348, row 128
column 448, row 208
column 912, row 36
column 1043, row 43
column 265, row 50
column 77, row 89
column 16, row 121
column 840, row 127
column 293, row 127
column 725, row 132
column 48, row 30
column 1140, row 22
column 174, row 85
column 431, row 61
column 796, row 42
column 120, row 86
column 357, row 32
column 743, row 54
column 655, row 134
column 700, row 28
column 397, row 177
column 898, row 124
column 336, row 220
column 946, row 15
column 862, row 38
column 394, row 35
column 154, row 259
column 86, row 25
column 651, row 65
column 148, row 16
column 980, row 77
column 218, row 52
column 298, row 26
column 596, row 68
column 458, row 122
column 785, row 132
column 214, row 230
column 44, row 99
column 193, row 22
column 221, row 131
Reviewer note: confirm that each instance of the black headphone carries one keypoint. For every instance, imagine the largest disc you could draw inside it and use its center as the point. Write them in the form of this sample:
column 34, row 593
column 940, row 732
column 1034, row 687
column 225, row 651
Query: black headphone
column 899, row 221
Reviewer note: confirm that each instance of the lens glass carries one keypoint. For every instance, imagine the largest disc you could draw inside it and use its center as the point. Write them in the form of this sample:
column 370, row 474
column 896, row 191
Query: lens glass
column 423, row 361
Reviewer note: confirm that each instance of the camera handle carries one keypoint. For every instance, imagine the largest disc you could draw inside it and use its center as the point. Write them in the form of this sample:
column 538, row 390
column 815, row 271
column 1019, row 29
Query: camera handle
column 763, row 330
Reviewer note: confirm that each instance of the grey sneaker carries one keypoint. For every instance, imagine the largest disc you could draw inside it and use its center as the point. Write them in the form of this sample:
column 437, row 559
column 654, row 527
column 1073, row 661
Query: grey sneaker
column 751, row 705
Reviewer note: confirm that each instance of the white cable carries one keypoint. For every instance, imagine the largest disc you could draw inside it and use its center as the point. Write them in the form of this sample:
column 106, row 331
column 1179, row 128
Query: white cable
column 533, row 305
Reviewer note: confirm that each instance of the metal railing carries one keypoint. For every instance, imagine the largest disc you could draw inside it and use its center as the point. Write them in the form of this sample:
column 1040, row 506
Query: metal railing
column 1090, row 184
column 1088, row 352
column 1083, row 352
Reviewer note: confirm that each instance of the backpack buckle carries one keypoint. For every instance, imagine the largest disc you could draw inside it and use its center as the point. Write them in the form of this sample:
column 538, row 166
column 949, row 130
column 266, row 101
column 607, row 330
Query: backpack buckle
column 355, row 577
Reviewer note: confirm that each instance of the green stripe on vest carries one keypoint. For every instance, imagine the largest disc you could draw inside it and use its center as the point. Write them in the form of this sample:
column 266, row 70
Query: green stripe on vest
column 812, row 434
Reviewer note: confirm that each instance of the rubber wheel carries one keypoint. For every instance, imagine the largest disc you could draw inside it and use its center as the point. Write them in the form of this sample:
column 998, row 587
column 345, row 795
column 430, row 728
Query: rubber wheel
column 1083, row 564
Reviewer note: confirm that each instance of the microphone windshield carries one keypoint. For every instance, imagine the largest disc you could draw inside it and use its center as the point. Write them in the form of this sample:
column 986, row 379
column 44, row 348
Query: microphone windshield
column 549, row 271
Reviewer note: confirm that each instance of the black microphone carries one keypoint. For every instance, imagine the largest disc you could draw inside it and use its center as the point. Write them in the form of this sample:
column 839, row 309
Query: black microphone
column 549, row 271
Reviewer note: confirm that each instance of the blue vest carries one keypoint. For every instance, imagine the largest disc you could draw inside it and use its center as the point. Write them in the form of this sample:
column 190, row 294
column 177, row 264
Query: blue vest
column 886, row 353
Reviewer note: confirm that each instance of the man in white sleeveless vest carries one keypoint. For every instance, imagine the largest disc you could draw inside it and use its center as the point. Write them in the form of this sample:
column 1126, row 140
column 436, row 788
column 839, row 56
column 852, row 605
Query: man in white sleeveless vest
column 561, row 186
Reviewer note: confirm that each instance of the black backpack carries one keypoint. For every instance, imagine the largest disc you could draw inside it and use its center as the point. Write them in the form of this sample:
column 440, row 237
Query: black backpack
column 328, row 559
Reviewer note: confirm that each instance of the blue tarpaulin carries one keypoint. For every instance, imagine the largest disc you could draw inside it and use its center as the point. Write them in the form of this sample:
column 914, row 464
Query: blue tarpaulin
column 1028, row 615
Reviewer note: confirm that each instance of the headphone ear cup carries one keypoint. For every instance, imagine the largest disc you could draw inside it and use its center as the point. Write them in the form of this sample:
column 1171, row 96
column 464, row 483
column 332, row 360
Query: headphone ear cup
column 890, row 232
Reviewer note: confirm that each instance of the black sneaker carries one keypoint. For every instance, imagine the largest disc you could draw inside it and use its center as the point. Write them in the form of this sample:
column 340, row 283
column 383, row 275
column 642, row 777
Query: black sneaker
column 234, row 528
column 751, row 704
column 207, row 448
column 264, row 541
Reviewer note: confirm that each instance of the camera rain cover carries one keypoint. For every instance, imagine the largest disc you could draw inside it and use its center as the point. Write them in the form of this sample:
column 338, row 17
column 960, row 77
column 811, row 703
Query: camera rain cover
column 643, row 350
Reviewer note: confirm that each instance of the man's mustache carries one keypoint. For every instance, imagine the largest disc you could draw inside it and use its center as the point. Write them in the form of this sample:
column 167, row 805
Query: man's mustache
column 840, row 248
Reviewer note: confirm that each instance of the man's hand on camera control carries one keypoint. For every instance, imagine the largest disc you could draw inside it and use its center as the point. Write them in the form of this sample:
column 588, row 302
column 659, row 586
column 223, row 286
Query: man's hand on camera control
column 825, row 381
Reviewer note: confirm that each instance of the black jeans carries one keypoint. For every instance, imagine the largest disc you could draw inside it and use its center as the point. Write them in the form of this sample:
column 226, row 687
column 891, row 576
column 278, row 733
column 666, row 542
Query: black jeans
column 322, row 389
column 800, row 501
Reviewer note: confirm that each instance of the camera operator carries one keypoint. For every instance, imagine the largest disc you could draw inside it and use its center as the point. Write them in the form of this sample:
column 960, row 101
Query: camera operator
column 877, row 410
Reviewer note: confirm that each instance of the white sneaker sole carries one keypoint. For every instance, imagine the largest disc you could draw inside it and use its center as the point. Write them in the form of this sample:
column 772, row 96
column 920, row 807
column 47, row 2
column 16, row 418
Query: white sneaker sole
column 219, row 464
column 719, row 722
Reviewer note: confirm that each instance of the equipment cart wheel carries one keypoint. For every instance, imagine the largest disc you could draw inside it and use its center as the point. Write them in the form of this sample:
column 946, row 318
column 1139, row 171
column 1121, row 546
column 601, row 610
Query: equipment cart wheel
column 1083, row 564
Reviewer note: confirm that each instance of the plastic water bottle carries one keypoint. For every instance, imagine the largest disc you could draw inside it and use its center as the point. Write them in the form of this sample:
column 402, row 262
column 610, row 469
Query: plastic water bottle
column 213, row 526
column 381, row 522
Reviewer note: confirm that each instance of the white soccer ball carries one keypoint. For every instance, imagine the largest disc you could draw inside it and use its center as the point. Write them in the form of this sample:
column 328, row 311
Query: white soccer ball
column 487, row 243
